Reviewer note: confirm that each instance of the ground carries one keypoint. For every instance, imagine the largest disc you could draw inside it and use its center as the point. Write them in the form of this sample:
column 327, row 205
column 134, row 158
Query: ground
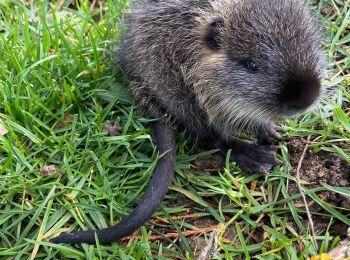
column 74, row 154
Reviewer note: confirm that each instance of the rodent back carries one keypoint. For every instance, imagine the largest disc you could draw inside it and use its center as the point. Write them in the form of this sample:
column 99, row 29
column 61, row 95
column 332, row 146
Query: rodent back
column 160, row 46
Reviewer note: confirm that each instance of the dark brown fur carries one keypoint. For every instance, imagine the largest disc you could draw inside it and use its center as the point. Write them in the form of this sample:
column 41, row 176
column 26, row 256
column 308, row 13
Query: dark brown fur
column 214, row 68
column 173, row 70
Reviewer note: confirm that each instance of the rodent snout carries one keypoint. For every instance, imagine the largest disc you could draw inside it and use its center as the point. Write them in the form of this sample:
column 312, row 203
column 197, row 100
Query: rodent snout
column 299, row 93
column 300, row 104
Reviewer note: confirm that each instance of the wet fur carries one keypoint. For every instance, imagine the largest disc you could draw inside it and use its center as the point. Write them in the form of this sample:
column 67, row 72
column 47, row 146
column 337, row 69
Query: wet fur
column 168, row 49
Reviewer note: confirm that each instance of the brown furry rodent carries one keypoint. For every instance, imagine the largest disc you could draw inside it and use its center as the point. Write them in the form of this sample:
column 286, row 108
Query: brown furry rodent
column 214, row 68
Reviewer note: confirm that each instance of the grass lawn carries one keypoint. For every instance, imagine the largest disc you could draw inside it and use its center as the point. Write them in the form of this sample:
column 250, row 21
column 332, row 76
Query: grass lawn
column 75, row 155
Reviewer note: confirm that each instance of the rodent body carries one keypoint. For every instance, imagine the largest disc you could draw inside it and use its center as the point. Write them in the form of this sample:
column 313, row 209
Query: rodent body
column 188, row 59
column 215, row 68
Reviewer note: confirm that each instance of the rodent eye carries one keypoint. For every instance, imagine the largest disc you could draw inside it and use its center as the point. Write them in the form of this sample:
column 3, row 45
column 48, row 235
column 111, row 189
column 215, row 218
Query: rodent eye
column 251, row 66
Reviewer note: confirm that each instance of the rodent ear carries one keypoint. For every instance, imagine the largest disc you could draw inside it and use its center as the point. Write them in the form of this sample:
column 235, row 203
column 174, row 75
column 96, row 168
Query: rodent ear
column 212, row 37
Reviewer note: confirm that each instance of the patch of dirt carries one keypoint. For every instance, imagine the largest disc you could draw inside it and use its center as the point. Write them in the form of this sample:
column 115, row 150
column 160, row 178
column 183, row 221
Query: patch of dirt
column 197, row 243
column 112, row 129
column 204, row 222
column 321, row 167
column 66, row 121
column 183, row 201
column 48, row 170
column 317, row 169
column 211, row 164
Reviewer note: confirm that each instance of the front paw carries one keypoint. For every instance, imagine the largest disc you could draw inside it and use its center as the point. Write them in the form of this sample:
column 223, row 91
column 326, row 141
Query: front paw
column 266, row 133
column 252, row 157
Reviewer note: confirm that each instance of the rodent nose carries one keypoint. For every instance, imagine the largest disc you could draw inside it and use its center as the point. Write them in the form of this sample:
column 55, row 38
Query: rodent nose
column 300, row 92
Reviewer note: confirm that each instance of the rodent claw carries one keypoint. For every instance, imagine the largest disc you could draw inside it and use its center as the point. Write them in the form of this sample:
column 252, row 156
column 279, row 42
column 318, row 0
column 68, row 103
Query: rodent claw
column 278, row 161
column 263, row 170
column 279, row 128
column 266, row 133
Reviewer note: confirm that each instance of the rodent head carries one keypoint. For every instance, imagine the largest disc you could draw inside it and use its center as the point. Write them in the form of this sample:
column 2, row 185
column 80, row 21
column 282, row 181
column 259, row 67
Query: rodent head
column 261, row 59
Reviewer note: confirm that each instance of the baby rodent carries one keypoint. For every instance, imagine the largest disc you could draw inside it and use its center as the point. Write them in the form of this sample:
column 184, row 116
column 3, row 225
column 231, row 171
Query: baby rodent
column 215, row 67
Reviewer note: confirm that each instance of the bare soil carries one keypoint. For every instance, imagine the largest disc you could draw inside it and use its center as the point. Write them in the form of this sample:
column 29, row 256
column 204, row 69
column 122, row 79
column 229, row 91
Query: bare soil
column 320, row 168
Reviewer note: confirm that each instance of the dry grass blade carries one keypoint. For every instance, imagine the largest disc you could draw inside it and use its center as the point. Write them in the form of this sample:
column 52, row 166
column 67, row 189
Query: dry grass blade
column 309, row 216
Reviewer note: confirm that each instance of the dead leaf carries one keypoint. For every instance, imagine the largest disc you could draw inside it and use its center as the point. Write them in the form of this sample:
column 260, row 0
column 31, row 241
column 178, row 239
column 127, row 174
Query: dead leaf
column 48, row 170
column 3, row 130
column 112, row 130
column 341, row 251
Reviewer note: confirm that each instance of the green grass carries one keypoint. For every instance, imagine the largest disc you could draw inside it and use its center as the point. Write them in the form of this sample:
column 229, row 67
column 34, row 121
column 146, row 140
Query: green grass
column 58, row 90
